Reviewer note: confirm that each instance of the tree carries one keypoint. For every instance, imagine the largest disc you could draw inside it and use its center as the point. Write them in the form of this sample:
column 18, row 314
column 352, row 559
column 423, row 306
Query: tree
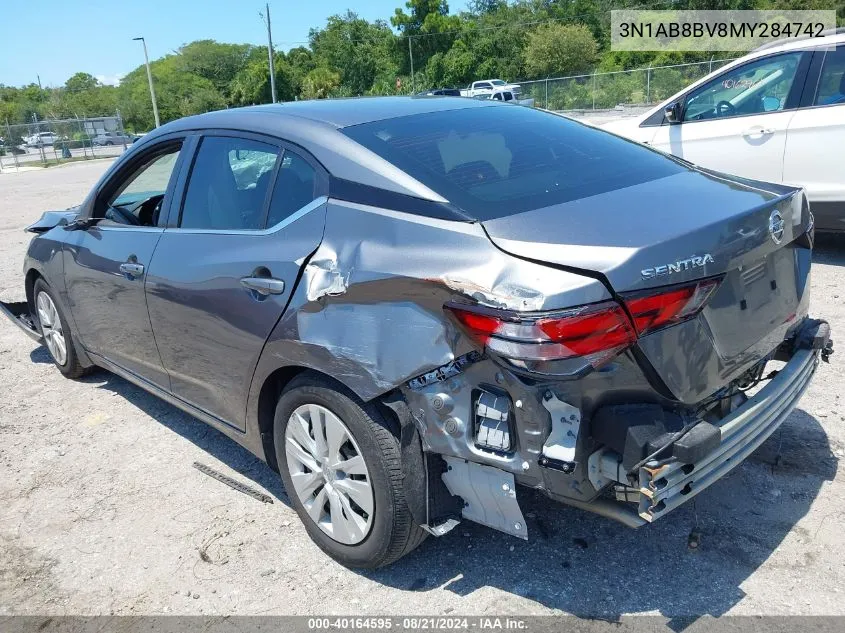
column 180, row 93
column 359, row 50
column 484, row 7
column 430, row 28
column 320, row 83
column 218, row 63
column 560, row 49
column 252, row 84
column 300, row 63
column 81, row 82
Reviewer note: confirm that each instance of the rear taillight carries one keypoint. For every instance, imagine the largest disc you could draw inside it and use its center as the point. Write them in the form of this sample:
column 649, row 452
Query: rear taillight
column 595, row 333
column 654, row 310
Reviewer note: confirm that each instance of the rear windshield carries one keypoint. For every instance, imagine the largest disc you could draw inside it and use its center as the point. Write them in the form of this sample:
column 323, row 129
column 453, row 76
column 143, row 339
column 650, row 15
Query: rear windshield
column 497, row 161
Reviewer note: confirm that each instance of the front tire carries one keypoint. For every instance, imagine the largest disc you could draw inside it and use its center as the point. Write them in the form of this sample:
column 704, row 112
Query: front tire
column 341, row 466
column 55, row 331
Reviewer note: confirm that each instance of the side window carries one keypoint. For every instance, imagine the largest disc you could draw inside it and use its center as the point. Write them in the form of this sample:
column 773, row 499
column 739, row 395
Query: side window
column 831, row 88
column 228, row 184
column 753, row 88
column 498, row 96
column 508, row 96
column 295, row 186
column 137, row 200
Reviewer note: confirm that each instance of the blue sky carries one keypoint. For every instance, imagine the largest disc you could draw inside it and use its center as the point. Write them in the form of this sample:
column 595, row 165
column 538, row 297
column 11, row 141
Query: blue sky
column 95, row 36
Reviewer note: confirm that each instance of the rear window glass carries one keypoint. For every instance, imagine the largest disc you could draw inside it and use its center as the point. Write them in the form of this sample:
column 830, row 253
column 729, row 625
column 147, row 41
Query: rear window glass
column 497, row 161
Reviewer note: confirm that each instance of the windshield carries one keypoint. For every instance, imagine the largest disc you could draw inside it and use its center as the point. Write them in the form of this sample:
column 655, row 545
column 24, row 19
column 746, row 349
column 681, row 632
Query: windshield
column 497, row 82
column 496, row 161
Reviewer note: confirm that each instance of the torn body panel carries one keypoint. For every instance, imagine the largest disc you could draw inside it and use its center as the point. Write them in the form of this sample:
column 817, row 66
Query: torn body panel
column 368, row 309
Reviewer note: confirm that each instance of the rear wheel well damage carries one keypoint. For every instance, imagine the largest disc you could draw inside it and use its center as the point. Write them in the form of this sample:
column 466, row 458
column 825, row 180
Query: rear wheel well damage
column 272, row 388
column 428, row 499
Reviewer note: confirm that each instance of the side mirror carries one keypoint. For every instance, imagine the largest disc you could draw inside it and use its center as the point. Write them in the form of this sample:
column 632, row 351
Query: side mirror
column 82, row 224
column 672, row 112
column 771, row 104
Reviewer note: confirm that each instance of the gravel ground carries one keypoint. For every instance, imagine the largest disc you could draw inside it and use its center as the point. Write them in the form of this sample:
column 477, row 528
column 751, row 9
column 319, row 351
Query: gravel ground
column 103, row 513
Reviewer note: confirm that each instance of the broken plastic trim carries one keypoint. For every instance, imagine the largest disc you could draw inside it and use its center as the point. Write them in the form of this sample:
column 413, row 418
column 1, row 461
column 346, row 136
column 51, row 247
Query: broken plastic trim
column 233, row 484
column 18, row 313
column 444, row 372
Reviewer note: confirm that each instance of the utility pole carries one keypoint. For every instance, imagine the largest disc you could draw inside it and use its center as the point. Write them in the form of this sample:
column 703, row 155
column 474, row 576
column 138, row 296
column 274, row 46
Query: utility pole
column 39, row 81
column 411, row 55
column 270, row 55
column 150, row 80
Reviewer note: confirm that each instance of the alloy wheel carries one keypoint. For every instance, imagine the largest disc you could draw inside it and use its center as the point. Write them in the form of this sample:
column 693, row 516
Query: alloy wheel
column 51, row 327
column 329, row 474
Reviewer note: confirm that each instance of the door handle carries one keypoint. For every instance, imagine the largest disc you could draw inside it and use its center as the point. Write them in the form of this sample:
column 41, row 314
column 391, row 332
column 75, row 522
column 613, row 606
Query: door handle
column 132, row 269
column 758, row 130
column 264, row 285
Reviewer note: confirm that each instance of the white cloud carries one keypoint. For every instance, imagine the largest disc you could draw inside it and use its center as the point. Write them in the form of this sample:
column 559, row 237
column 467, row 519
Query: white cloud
column 110, row 80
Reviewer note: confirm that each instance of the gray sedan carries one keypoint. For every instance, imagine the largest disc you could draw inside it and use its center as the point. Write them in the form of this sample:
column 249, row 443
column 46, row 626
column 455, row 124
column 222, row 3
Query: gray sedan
column 414, row 308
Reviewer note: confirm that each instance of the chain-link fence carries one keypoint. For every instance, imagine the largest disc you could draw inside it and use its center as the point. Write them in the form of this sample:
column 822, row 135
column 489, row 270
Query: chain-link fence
column 49, row 142
column 638, row 87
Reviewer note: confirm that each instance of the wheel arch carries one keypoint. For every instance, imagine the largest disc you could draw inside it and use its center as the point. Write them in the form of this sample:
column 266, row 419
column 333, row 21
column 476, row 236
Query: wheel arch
column 32, row 275
column 272, row 387
column 277, row 381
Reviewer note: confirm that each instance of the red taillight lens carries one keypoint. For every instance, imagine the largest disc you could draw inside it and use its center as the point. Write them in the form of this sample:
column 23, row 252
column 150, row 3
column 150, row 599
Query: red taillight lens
column 595, row 332
column 663, row 308
column 596, row 328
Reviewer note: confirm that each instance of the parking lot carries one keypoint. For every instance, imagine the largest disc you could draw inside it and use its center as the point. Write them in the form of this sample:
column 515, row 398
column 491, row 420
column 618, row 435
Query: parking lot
column 33, row 156
column 103, row 512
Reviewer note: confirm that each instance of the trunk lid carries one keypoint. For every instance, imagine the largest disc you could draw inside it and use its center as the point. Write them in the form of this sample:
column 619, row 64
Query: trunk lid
column 681, row 228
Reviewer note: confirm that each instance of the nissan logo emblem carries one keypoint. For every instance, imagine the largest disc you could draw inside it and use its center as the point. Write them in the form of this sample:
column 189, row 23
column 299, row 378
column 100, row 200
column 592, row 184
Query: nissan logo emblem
column 776, row 227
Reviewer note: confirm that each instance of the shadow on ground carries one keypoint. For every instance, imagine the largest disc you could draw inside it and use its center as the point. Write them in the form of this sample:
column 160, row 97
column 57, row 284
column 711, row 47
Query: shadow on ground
column 208, row 439
column 584, row 564
column 589, row 566
column 829, row 249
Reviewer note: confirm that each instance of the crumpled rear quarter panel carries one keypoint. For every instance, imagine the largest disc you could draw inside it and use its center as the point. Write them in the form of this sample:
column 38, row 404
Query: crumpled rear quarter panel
column 368, row 309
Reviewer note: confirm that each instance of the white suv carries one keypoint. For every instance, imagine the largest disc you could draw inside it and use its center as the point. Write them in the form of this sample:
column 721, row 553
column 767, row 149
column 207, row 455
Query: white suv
column 777, row 114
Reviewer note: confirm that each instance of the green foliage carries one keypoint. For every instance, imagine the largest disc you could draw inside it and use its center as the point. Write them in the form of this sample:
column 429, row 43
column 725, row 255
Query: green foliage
column 80, row 82
column 556, row 49
column 359, row 50
column 430, row 27
column 349, row 56
column 179, row 94
column 218, row 63
column 320, row 83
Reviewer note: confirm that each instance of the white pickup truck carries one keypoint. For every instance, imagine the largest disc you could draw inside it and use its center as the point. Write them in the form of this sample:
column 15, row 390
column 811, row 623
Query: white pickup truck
column 487, row 86
column 506, row 94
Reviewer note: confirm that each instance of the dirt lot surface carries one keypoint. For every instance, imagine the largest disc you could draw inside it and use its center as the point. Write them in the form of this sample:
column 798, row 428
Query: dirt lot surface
column 101, row 511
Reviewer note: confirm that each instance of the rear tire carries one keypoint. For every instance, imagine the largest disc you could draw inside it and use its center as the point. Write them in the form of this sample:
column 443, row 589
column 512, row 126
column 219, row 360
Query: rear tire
column 55, row 330
column 361, row 538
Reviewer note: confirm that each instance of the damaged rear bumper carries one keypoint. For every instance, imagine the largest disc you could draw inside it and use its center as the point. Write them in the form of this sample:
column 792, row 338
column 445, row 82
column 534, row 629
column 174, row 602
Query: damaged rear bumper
column 657, row 488
column 18, row 312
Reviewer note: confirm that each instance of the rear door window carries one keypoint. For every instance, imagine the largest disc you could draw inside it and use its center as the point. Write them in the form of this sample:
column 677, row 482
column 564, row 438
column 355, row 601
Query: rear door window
column 228, row 186
column 831, row 90
column 294, row 188
column 495, row 161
